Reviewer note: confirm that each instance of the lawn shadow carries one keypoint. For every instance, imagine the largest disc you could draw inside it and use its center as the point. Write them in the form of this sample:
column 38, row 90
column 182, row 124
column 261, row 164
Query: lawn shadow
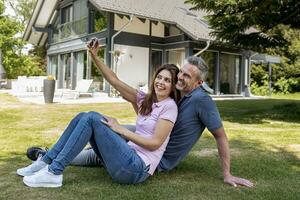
column 258, row 111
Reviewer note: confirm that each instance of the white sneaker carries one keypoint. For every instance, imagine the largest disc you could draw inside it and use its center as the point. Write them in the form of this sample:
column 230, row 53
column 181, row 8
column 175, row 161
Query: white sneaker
column 43, row 178
column 33, row 168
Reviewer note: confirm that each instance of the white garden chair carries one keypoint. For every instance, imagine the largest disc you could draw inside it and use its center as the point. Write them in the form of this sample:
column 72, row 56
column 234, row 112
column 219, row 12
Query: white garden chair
column 82, row 88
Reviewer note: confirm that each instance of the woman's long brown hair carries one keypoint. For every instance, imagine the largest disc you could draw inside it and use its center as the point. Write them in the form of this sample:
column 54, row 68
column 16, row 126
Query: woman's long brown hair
column 146, row 106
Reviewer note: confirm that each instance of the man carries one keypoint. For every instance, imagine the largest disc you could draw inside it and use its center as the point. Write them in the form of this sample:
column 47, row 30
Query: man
column 196, row 111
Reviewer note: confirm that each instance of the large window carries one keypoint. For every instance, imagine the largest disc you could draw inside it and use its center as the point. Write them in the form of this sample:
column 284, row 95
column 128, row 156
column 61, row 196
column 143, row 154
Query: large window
column 54, row 66
column 156, row 60
column 171, row 30
column 230, row 74
column 210, row 59
column 96, row 75
column 79, row 24
column 176, row 56
column 65, row 29
column 55, row 33
column 100, row 21
column 66, row 14
column 71, row 22
column 81, row 65
column 66, row 59
column 80, row 10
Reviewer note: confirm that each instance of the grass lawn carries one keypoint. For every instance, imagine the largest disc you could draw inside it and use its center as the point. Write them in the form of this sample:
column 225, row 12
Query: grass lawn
column 264, row 139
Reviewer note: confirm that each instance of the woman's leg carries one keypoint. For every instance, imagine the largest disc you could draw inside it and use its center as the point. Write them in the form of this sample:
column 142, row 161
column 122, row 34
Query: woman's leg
column 71, row 145
column 59, row 145
column 121, row 161
column 76, row 141
column 51, row 154
column 88, row 157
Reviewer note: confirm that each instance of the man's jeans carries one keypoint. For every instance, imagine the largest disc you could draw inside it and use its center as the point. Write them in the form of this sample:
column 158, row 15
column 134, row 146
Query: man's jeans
column 120, row 160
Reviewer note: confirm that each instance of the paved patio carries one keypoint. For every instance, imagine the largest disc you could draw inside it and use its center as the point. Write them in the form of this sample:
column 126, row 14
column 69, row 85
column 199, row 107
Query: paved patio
column 38, row 98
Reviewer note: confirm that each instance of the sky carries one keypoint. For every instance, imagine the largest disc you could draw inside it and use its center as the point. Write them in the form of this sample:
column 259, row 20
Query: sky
column 8, row 10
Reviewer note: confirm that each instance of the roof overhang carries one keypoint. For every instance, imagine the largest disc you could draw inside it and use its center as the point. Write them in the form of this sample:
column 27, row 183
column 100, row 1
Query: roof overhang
column 264, row 58
column 167, row 11
column 43, row 15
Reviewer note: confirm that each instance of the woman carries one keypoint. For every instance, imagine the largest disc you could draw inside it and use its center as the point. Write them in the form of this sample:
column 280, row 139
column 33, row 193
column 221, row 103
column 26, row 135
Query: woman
column 126, row 162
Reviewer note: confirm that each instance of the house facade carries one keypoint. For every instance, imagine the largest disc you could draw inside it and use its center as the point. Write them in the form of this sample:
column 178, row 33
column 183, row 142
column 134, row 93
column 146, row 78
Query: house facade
column 137, row 37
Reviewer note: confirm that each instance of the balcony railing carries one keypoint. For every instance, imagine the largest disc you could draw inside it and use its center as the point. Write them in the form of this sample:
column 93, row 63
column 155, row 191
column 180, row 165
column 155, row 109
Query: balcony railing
column 70, row 29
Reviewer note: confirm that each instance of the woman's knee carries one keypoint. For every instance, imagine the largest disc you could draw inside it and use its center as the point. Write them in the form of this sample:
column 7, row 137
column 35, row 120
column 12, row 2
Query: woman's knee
column 95, row 116
column 80, row 115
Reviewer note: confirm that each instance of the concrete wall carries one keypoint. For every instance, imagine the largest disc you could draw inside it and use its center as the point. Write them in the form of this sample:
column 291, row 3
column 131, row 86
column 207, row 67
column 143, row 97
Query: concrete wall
column 132, row 66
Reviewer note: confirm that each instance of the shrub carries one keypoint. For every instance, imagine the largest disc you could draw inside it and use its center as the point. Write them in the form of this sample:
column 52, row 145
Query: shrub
column 261, row 90
column 285, row 86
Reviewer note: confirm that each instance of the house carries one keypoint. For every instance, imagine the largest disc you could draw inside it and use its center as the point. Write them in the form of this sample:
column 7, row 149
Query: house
column 137, row 35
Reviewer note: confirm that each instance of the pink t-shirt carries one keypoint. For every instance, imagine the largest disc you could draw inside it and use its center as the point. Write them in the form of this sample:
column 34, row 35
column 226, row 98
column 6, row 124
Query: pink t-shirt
column 145, row 126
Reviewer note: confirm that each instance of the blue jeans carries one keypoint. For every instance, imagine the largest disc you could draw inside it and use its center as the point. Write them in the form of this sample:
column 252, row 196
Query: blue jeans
column 88, row 157
column 120, row 160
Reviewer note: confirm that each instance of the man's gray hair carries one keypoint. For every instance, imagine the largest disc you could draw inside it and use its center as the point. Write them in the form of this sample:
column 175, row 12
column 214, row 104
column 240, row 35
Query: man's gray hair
column 201, row 65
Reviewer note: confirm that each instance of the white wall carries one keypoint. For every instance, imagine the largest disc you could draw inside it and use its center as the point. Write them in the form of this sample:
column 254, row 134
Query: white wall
column 132, row 66
column 136, row 26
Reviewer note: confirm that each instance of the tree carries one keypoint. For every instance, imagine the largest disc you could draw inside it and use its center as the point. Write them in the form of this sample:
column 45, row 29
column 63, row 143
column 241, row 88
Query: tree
column 252, row 24
column 8, row 44
column 14, row 62
column 22, row 9
column 269, row 26
column 286, row 75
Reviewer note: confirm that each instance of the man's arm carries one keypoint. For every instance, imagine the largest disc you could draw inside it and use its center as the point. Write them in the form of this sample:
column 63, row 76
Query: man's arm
column 223, row 149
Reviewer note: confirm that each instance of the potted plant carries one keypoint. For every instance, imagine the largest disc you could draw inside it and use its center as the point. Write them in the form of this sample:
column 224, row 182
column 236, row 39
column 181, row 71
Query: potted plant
column 49, row 89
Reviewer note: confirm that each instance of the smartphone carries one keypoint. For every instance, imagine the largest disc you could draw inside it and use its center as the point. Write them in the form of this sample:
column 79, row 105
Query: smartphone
column 94, row 42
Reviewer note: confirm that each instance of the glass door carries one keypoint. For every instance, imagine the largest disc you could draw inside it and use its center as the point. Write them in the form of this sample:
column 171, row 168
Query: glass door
column 156, row 61
column 67, row 70
column 210, row 59
column 230, row 74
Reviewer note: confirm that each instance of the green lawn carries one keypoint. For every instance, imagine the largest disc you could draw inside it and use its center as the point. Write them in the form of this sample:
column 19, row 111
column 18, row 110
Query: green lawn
column 264, row 139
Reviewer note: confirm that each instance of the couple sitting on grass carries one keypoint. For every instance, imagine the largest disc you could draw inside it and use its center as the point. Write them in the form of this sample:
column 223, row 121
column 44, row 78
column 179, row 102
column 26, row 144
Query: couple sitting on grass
column 170, row 120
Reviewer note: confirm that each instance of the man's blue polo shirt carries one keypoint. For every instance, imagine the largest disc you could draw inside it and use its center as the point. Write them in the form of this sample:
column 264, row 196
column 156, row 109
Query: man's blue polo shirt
column 196, row 111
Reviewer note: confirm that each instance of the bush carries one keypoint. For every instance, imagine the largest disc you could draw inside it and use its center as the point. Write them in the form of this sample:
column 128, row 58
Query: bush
column 261, row 90
column 295, row 84
column 285, row 79
column 22, row 65
column 286, row 86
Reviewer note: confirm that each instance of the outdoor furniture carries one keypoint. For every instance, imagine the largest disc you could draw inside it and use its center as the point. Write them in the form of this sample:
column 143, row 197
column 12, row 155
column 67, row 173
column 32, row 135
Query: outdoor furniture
column 3, row 83
column 28, row 84
column 82, row 88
